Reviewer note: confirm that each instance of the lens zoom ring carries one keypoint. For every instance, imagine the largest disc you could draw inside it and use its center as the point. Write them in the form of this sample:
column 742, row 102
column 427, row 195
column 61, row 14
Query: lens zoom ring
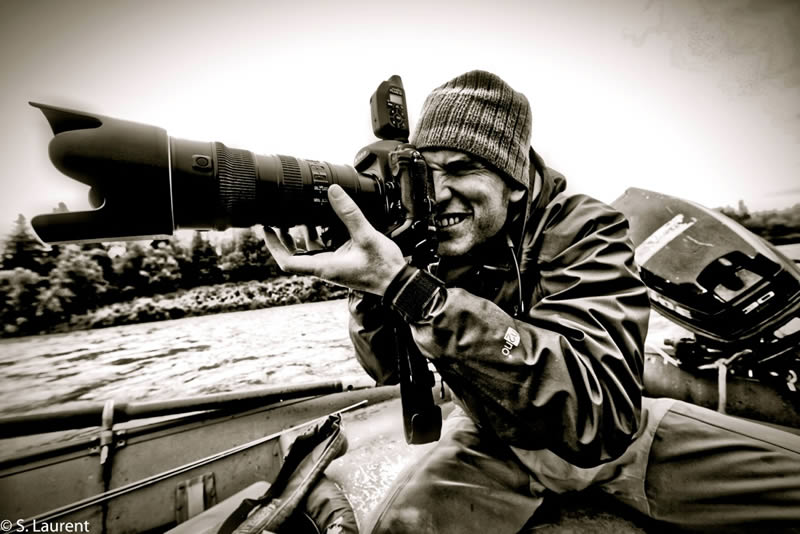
column 292, row 179
column 237, row 182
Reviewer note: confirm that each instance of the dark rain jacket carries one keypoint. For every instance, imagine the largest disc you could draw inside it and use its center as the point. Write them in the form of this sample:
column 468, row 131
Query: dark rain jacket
column 555, row 362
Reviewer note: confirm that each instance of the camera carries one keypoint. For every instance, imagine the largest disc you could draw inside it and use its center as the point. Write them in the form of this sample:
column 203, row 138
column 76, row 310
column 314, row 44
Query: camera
column 146, row 184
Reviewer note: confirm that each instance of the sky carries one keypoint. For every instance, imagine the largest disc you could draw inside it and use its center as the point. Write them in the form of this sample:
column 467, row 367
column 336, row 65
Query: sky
column 697, row 99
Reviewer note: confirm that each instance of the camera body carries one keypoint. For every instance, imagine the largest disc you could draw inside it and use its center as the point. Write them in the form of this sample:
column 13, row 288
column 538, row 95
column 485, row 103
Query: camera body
column 146, row 184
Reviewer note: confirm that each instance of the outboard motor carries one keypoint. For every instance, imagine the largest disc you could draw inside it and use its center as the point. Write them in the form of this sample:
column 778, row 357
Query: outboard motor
column 733, row 290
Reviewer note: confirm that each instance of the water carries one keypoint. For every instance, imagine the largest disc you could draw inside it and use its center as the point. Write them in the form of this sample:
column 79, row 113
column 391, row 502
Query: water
column 190, row 356
column 178, row 358
column 791, row 251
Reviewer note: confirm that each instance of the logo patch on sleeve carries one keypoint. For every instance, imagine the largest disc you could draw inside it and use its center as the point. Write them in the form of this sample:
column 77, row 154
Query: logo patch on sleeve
column 511, row 340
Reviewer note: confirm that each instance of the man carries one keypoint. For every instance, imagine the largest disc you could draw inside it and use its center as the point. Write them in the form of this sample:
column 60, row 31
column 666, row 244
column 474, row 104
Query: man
column 536, row 319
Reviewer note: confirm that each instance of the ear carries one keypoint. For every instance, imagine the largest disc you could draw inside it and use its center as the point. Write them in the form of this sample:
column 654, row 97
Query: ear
column 516, row 195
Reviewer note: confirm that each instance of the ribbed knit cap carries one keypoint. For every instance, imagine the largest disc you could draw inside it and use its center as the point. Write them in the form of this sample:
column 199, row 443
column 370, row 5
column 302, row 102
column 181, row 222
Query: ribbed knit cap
column 480, row 114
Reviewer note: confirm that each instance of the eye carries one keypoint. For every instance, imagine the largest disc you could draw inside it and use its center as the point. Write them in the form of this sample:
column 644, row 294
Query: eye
column 461, row 167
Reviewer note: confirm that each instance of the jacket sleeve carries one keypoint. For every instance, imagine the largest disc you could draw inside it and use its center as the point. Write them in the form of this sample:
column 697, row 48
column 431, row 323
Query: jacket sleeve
column 566, row 375
column 372, row 339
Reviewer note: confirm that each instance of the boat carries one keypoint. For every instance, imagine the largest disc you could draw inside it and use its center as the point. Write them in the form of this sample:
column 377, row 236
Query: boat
column 190, row 457
column 156, row 466
column 122, row 464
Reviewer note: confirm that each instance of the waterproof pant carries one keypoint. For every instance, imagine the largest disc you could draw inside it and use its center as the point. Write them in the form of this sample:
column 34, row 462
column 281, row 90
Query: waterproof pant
column 689, row 467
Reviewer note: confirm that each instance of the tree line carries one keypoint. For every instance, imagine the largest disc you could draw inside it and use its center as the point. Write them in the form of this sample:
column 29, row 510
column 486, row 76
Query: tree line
column 42, row 286
column 780, row 227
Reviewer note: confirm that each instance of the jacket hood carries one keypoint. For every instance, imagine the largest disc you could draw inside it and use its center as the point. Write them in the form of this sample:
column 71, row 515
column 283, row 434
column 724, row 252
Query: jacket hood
column 549, row 184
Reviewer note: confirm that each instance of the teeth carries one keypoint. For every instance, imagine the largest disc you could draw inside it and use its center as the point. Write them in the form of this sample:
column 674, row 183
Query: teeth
column 444, row 222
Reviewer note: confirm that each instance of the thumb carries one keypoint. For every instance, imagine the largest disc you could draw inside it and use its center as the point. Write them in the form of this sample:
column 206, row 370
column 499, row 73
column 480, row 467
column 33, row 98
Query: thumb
column 348, row 212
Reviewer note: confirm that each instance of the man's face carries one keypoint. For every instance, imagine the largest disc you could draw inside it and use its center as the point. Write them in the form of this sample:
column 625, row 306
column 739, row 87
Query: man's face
column 471, row 201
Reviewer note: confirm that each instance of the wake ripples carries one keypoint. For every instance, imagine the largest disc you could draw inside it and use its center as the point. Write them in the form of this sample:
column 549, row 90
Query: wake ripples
column 177, row 358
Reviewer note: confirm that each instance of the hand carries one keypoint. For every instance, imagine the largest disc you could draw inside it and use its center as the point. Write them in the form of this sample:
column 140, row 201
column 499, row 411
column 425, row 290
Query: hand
column 367, row 262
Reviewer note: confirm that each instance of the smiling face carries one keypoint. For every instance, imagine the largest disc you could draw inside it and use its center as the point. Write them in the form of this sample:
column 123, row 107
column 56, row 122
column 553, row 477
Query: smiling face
column 472, row 200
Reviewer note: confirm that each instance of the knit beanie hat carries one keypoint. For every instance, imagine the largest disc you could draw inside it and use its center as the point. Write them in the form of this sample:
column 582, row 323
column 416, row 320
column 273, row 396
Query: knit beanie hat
column 480, row 114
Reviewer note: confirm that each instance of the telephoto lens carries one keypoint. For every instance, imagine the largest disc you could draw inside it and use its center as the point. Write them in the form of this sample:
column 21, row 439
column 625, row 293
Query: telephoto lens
column 215, row 186
column 145, row 183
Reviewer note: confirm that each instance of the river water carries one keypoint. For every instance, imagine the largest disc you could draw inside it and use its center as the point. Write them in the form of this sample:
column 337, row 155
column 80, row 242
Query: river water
column 191, row 356
column 195, row 355
column 183, row 357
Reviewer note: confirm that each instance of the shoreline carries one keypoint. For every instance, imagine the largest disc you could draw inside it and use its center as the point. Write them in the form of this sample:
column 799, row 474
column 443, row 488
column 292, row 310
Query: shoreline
column 220, row 298
column 199, row 301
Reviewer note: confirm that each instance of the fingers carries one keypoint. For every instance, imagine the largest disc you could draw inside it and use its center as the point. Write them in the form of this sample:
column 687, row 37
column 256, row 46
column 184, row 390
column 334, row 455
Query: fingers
column 307, row 238
column 348, row 212
column 284, row 244
column 277, row 247
column 285, row 256
column 286, row 239
column 311, row 233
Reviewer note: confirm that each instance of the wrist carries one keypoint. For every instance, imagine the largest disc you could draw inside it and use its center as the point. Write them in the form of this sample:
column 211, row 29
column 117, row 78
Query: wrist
column 414, row 293
column 392, row 272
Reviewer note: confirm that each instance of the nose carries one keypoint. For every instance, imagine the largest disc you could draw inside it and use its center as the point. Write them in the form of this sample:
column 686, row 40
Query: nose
column 441, row 188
